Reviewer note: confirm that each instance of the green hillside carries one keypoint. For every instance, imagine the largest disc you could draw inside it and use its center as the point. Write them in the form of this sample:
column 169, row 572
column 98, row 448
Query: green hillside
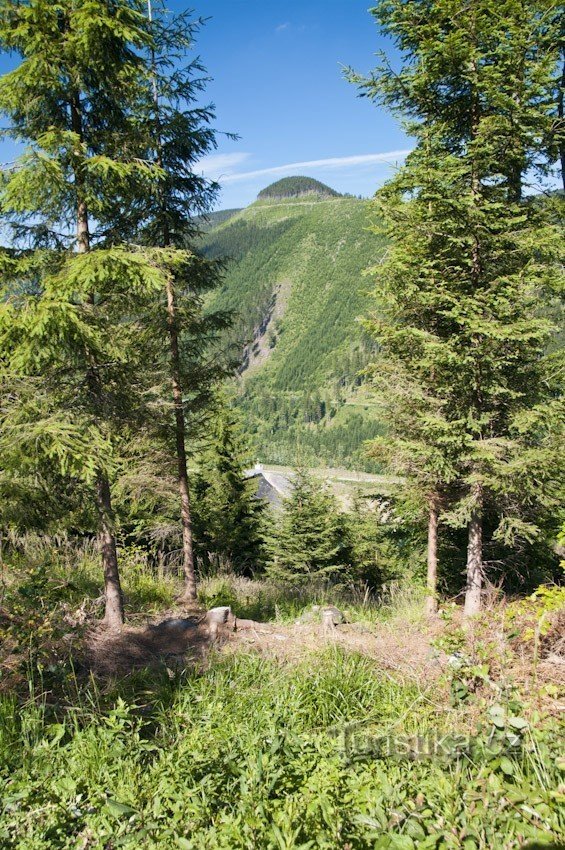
column 295, row 282
column 213, row 219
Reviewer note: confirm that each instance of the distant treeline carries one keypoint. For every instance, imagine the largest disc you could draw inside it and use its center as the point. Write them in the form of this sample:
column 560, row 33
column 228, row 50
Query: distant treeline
column 213, row 219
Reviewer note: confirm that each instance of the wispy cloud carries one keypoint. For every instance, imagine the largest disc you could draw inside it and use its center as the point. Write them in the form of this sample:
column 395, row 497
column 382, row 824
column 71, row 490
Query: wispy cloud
column 218, row 166
column 282, row 27
column 339, row 162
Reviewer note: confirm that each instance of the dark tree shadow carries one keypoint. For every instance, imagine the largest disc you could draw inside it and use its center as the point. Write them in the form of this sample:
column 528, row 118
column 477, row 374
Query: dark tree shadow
column 170, row 645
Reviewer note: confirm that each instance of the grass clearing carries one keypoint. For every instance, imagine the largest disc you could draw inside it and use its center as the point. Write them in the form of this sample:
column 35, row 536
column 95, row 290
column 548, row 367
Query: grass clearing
column 322, row 744
column 251, row 754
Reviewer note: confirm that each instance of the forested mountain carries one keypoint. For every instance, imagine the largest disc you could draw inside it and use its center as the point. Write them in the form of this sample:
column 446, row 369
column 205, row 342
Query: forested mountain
column 292, row 187
column 213, row 219
column 294, row 279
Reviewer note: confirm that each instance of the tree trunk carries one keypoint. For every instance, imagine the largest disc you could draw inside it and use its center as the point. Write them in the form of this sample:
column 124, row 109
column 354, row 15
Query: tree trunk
column 189, row 592
column 114, row 612
column 474, row 558
column 475, row 526
column 431, row 598
column 518, row 164
column 561, row 116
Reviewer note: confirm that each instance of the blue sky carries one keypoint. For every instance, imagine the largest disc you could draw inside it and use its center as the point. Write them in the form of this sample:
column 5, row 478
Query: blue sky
column 277, row 70
column 278, row 83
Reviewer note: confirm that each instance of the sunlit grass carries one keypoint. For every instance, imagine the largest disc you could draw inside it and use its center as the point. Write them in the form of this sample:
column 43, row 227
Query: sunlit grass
column 251, row 754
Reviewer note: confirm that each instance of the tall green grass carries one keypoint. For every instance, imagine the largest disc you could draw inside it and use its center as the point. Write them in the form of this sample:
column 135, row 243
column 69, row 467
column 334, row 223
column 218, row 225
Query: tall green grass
column 74, row 567
column 250, row 755
column 266, row 600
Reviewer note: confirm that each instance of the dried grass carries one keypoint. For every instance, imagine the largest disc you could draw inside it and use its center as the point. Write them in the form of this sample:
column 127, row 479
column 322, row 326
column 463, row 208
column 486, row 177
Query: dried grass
column 117, row 654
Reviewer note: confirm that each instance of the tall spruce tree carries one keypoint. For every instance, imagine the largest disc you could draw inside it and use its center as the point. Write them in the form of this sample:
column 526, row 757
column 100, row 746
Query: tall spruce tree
column 175, row 132
column 72, row 348
column 461, row 326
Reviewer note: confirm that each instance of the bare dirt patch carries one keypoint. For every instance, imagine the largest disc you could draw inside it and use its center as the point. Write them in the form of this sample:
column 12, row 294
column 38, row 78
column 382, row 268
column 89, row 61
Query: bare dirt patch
column 177, row 641
column 180, row 642
column 265, row 333
column 407, row 652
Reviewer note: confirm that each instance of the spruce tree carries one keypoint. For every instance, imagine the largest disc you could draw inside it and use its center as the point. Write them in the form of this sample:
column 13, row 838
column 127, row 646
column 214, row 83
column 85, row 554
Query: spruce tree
column 382, row 541
column 310, row 541
column 228, row 519
column 72, row 345
column 461, row 329
column 174, row 131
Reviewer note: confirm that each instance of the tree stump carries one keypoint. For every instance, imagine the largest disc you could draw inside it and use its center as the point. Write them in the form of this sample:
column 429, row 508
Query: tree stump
column 215, row 618
column 328, row 625
column 335, row 613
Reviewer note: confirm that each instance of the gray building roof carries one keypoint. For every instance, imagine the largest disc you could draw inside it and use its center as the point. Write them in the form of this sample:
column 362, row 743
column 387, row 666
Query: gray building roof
column 272, row 486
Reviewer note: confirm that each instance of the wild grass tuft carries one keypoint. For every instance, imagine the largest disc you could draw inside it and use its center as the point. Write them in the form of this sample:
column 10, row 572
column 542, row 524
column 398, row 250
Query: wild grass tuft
column 265, row 600
column 251, row 754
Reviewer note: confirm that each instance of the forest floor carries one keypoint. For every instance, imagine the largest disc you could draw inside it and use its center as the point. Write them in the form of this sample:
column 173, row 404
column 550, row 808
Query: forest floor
column 179, row 637
column 405, row 646
column 387, row 732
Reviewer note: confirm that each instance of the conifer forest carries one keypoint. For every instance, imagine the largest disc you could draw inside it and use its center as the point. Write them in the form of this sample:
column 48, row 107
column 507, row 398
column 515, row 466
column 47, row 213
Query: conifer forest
column 282, row 459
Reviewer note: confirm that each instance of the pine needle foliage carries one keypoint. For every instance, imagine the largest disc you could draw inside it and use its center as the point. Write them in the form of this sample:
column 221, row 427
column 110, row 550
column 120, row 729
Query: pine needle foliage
column 310, row 542
column 174, row 131
column 70, row 323
column 228, row 517
column 463, row 371
column 70, row 101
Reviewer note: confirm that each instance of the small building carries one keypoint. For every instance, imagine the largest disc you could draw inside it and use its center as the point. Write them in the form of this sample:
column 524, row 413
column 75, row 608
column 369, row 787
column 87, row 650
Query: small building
column 273, row 487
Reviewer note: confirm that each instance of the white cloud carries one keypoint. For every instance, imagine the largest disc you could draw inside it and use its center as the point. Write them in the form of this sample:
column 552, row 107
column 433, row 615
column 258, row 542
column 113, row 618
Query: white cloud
column 390, row 157
column 220, row 166
column 282, row 27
